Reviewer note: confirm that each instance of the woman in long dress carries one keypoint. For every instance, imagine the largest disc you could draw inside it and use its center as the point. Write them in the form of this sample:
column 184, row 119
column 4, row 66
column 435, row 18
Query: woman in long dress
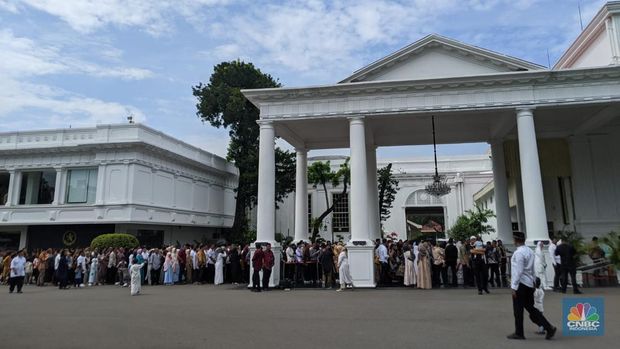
column 540, row 265
column 343, row 270
column 424, row 267
column 136, row 277
column 168, row 280
column 410, row 278
column 219, row 266
column 92, row 275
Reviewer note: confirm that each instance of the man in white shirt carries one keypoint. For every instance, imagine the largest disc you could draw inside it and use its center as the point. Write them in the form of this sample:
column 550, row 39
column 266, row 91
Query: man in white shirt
column 555, row 260
column 18, row 272
column 210, row 265
column 382, row 255
column 522, row 283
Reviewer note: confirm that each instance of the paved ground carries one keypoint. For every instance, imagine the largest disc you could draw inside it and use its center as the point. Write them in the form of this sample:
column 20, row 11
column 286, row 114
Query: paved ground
column 227, row 317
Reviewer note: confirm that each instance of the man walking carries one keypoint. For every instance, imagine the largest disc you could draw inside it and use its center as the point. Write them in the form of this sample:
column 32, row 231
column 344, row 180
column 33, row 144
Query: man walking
column 257, row 265
column 568, row 266
column 18, row 272
column 522, row 283
column 452, row 256
column 268, row 263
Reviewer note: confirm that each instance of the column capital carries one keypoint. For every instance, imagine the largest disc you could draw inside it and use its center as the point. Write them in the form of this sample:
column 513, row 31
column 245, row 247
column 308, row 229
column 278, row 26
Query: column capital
column 265, row 123
column 301, row 150
column 525, row 110
column 356, row 119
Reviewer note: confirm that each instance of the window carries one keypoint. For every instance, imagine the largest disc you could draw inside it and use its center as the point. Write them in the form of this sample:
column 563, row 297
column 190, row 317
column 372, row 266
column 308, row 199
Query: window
column 340, row 217
column 37, row 188
column 81, row 186
column 309, row 213
column 5, row 179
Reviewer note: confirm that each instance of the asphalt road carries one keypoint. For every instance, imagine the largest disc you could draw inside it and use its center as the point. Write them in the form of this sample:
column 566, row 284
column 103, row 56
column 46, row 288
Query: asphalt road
column 228, row 317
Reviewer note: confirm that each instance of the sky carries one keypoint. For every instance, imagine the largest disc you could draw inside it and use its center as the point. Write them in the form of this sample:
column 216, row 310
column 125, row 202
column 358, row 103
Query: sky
column 77, row 63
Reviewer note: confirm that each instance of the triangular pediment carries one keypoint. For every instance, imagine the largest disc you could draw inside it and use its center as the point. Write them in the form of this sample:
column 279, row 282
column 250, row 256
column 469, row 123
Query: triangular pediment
column 436, row 56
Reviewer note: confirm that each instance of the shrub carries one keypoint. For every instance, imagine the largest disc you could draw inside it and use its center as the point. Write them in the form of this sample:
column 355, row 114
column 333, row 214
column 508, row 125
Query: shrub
column 104, row 241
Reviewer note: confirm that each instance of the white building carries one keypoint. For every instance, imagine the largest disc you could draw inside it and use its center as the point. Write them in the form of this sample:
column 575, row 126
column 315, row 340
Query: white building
column 466, row 175
column 554, row 133
column 60, row 188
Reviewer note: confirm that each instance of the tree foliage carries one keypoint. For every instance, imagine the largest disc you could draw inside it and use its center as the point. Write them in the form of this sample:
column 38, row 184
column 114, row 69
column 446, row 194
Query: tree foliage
column 388, row 186
column 321, row 174
column 472, row 223
column 221, row 104
column 105, row 241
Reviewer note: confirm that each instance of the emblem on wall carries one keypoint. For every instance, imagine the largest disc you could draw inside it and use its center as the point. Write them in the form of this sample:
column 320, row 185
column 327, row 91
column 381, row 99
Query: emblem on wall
column 69, row 238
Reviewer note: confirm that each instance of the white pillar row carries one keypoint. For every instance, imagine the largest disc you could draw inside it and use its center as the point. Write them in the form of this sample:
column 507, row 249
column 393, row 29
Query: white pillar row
column 360, row 247
column 301, row 196
column 533, row 198
column 502, row 206
column 374, row 219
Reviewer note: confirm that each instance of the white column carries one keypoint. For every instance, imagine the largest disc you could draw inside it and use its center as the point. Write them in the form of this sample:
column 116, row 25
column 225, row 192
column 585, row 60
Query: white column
column 57, row 187
column 11, row 189
column 502, row 206
column 359, row 181
column 360, row 248
column 301, row 196
column 374, row 219
column 100, row 192
column 533, row 198
column 266, row 204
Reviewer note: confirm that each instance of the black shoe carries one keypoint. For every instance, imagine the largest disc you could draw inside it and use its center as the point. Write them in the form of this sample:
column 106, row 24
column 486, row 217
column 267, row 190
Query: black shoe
column 551, row 333
column 487, row 291
column 20, row 292
column 480, row 293
column 577, row 292
column 515, row 336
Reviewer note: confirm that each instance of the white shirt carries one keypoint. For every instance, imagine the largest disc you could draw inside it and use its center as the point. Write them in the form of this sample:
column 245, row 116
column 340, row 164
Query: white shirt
column 522, row 268
column 18, row 266
column 56, row 261
column 539, row 297
column 210, row 256
column 194, row 256
column 382, row 253
column 554, row 259
column 81, row 263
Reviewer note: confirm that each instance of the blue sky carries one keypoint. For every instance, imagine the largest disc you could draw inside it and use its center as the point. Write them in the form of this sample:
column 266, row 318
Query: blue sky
column 79, row 63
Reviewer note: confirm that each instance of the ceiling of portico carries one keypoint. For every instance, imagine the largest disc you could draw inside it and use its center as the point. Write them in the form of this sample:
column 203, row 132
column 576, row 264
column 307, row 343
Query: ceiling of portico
column 451, row 127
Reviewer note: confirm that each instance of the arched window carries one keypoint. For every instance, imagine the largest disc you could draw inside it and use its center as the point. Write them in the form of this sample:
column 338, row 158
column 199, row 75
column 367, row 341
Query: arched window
column 422, row 198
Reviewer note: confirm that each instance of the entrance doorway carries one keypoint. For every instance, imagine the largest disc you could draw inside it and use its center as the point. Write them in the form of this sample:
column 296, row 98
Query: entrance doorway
column 425, row 222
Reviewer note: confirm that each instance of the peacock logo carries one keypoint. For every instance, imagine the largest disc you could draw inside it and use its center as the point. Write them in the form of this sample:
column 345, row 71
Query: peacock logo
column 583, row 312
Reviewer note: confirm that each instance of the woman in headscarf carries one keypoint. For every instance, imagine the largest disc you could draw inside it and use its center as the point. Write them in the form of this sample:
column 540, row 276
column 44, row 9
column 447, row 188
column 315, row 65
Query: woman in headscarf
column 92, row 275
column 175, row 266
column 62, row 274
column 235, row 265
column 424, row 266
column 168, row 266
column 220, row 258
column 343, row 270
column 136, row 276
column 540, row 265
column 410, row 278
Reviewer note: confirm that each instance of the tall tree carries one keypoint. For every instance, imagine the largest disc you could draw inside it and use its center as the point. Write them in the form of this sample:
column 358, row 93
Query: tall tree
column 320, row 173
column 388, row 186
column 472, row 223
column 221, row 104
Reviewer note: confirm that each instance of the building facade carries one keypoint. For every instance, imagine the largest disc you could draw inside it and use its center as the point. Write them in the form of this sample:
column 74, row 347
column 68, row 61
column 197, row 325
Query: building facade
column 61, row 188
column 550, row 130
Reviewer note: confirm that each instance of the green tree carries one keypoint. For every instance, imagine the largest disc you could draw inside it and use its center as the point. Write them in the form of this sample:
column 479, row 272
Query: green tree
column 388, row 186
column 321, row 174
column 221, row 104
column 472, row 223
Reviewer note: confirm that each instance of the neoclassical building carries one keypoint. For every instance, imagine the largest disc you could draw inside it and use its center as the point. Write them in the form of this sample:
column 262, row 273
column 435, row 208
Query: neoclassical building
column 61, row 188
column 554, row 133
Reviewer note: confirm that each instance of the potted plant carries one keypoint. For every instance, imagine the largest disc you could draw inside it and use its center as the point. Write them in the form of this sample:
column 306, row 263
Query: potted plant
column 612, row 240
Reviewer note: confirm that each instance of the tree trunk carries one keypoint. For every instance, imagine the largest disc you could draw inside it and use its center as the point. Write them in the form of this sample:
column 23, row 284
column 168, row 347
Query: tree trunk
column 319, row 220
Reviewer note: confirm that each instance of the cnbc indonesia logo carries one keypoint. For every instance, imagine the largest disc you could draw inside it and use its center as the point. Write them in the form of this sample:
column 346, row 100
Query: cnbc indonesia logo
column 583, row 317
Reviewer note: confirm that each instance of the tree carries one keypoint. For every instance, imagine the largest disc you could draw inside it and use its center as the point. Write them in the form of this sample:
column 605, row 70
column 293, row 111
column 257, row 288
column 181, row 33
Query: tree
column 472, row 223
column 388, row 186
column 221, row 104
column 320, row 173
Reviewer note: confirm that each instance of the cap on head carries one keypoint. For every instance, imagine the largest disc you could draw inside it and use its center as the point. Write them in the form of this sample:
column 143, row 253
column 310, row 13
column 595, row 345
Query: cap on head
column 519, row 235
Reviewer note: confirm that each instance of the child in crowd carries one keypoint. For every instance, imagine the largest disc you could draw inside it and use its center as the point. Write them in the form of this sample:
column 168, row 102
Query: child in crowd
column 539, row 297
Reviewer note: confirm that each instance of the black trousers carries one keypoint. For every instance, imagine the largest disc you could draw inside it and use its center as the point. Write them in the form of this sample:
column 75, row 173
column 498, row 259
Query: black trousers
column 494, row 271
column 111, row 275
column 256, row 280
column 502, row 271
column 480, row 275
column 16, row 281
column 210, row 273
column 566, row 271
column 468, row 276
column 525, row 300
column 451, row 266
column 385, row 273
column 557, row 273
column 266, row 276
column 155, row 276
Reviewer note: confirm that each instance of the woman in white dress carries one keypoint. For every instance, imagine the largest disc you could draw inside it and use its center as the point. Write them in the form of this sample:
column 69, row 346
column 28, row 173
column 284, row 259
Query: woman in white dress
column 343, row 270
column 219, row 266
column 410, row 277
column 136, row 277
column 540, row 265
column 94, row 265
column 416, row 252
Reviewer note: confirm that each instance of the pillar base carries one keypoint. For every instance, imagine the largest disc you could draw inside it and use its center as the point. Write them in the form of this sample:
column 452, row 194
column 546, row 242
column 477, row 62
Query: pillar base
column 274, row 280
column 361, row 263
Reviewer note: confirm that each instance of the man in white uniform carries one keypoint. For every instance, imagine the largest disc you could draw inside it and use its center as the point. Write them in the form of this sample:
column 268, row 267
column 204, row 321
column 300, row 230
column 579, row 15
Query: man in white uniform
column 522, row 284
column 18, row 272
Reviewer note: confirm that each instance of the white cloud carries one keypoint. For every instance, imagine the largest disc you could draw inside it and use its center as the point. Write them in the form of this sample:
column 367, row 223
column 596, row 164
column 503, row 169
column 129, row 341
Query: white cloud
column 154, row 17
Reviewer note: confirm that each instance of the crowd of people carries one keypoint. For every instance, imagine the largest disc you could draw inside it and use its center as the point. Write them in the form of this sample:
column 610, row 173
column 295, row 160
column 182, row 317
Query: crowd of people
column 422, row 264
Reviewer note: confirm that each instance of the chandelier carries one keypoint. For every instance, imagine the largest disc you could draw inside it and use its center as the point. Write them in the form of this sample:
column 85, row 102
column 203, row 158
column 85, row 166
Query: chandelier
column 439, row 187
